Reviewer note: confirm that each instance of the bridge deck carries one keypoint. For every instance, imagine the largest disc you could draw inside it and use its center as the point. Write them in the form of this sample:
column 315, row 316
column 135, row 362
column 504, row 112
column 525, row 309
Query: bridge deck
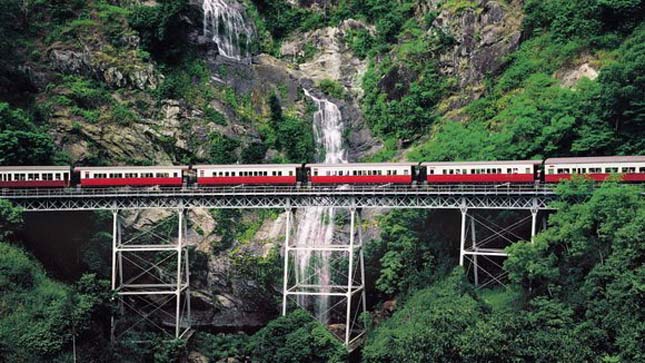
column 501, row 196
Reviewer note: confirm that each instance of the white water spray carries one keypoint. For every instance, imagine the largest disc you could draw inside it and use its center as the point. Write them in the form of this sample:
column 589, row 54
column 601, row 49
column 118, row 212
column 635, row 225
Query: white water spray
column 316, row 225
column 225, row 24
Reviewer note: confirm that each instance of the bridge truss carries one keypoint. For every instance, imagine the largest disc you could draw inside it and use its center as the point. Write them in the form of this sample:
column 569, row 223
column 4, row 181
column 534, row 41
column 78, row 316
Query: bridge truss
column 150, row 271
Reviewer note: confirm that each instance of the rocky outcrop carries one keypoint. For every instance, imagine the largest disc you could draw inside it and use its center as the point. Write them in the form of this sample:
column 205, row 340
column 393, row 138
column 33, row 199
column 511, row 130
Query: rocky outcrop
column 332, row 59
column 483, row 34
column 570, row 77
column 116, row 70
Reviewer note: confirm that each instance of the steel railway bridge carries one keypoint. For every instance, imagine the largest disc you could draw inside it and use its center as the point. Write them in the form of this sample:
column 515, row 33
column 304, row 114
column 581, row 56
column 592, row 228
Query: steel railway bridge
column 150, row 273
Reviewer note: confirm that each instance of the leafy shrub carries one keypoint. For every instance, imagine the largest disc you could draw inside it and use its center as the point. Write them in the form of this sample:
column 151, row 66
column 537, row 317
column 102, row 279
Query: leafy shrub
column 222, row 149
column 332, row 88
column 295, row 338
column 122, row 115
column 214, row 116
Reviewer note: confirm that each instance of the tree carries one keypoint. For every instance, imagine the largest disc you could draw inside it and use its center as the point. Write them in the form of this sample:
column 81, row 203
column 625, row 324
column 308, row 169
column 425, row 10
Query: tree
column 10, row 219
column 296, row 338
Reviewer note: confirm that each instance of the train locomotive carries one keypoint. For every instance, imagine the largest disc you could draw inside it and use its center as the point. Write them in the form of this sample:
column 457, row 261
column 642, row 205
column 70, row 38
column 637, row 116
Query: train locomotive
column 628, row 168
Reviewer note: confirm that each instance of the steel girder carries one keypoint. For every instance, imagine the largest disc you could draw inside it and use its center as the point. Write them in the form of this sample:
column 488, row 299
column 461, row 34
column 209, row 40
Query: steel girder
column 430, row 201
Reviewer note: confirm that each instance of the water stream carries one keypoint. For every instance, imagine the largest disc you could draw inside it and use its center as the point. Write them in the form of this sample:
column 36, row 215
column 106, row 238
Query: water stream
column 225, row 24
column 316, row 225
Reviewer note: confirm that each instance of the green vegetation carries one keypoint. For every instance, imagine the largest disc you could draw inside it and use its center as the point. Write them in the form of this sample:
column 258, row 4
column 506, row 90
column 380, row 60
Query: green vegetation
column 288, row 132
column 332, row 88
column 529, row 114
column 574, row 294
column 23, row 142
column 296, row 338
column 293, row 338
column 40, row 317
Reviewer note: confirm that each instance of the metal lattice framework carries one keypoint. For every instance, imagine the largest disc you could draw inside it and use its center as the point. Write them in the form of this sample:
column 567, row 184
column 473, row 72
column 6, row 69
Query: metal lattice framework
column 483, row 242
column 388, row 196
column 151, row 279
column 347, row 294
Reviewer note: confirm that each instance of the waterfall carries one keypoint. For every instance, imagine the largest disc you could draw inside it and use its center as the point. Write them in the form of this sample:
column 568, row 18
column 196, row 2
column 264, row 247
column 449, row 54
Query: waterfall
column 316, row 225
column 225, row 24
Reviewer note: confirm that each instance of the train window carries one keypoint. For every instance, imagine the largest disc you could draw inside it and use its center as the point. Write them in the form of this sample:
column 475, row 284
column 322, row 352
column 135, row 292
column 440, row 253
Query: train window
column 458, row 171
column 146, row 175
column 431, row 171
column 406, row 172
column 527, row 171
column 19, row 177
column 641, row 170
column 266, row 173
column 629, row 170
column 594, row 170
column 163, row 175
column 563, row 171
column 57, row 176
column 611, row 170
column 175, row 175
column 290, row 172
column 273, row 173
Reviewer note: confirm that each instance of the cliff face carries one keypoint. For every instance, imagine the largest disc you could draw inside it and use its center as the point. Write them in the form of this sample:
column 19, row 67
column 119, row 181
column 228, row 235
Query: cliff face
column 108, row 101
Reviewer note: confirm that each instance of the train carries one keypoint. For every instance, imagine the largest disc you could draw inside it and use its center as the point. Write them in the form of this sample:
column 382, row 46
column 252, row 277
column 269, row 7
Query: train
column 630, row 169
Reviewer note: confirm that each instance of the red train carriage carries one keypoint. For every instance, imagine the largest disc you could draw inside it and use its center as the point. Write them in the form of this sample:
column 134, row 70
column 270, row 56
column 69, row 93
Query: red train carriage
column 114, row 176
column 364, row 173
column 259, row 174
column 631, row 168
column 34, row 176
column 520, row 171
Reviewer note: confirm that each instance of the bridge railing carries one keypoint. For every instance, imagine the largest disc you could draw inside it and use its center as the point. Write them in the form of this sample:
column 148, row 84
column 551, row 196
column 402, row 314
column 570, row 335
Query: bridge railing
column 387, row 189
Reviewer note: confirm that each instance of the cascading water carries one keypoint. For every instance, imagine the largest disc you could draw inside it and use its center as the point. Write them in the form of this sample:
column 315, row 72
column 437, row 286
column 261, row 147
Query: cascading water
column 316, row 225
column 225, row 24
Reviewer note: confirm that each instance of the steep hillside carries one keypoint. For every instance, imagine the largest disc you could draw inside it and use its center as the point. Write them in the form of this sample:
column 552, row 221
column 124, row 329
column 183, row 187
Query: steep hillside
column 103, row 82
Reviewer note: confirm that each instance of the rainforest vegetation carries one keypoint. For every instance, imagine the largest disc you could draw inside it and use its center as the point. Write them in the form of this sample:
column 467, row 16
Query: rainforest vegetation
column 573, row 295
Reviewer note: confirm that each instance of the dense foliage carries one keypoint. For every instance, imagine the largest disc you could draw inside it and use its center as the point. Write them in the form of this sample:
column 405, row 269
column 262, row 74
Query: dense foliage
column 579, row 295
column 294, row 338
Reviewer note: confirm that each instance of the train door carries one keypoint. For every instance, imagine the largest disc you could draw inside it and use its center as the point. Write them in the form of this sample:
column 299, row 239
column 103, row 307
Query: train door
column 66, row 179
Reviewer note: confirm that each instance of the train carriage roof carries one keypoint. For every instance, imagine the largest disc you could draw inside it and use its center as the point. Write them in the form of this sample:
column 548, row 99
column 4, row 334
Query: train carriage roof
column 358, row 165
column 498, row 162
column 597, row 159
column 238, row 166
column 126, row 167
column 34, row 168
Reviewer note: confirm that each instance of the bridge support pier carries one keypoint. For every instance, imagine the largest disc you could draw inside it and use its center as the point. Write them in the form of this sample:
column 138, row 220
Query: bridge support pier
column 486, row 250
column 150, row 280
column 344, row 288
